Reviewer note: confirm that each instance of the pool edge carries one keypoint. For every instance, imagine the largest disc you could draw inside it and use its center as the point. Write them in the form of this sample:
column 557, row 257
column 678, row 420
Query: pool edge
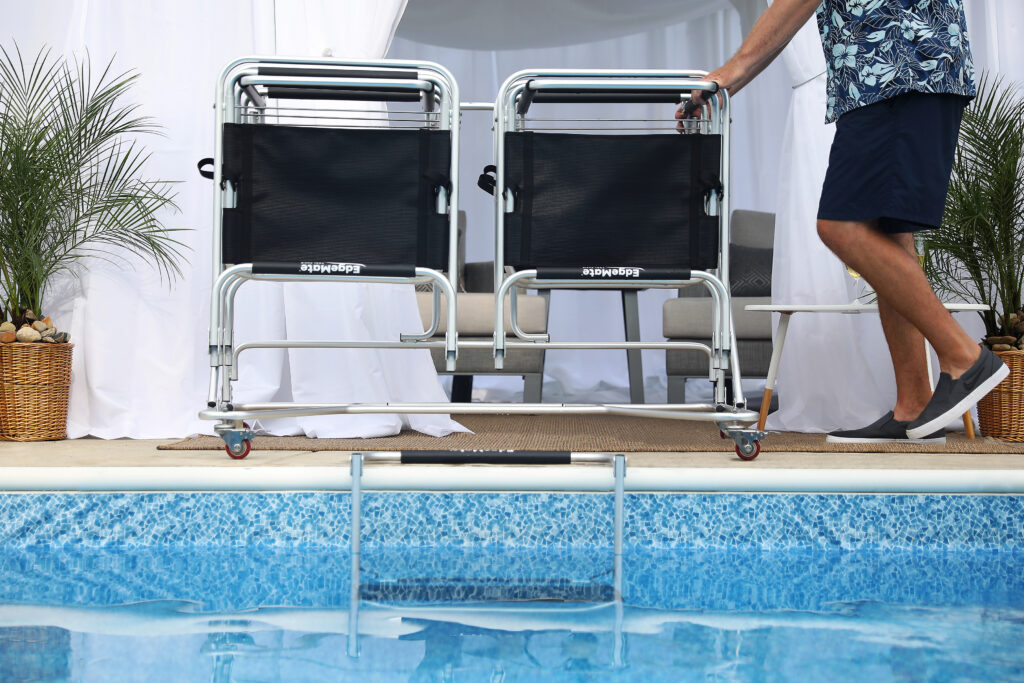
column 504, row 478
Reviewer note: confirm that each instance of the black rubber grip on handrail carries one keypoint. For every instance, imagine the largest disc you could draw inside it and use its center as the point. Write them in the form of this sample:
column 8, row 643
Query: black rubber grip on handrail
column 331, row 268
column 612, row 273
column 484, row 457
column 525, row 100
column 288, row 92
column 691, row 106
column 336, row 73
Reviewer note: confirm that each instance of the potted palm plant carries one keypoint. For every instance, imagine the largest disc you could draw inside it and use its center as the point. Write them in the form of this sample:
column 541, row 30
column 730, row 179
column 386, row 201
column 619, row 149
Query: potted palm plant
column 978, row 252
column 71, row 189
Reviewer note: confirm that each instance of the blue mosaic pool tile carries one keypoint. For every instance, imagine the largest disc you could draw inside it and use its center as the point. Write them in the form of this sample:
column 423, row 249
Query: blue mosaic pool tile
column 184, row 519
column 468, row 520
column 519, row 520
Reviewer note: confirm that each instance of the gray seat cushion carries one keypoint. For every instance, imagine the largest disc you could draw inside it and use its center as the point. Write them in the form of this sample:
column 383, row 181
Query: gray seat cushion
column 481, row 361
column 475, row 313
column 690, row 318
column 755, row 356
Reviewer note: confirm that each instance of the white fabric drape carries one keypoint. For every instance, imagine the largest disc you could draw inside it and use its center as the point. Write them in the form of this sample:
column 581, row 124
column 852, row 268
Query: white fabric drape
column 700, row 43
column 529, row 24
column 140, row 367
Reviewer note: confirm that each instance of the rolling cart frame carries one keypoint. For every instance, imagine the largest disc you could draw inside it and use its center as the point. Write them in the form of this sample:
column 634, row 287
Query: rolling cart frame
column 244, row 89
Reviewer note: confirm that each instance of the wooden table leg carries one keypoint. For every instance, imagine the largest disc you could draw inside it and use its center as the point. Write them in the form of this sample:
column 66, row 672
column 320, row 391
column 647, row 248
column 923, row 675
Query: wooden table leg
column 968, row 425
column 766, row 400
column 773, row 367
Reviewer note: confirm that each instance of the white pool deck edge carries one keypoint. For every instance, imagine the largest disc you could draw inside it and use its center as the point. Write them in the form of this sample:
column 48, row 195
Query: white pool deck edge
column 503, row 478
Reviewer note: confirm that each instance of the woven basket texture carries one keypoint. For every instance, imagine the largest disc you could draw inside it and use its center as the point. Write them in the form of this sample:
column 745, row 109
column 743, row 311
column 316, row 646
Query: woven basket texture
column 1001, row 413
column 35, row 383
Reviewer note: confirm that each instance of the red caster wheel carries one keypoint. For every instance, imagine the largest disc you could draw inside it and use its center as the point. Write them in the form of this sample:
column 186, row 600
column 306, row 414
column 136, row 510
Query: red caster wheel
column 750, row 452
column 722, row 434
column 240, row 452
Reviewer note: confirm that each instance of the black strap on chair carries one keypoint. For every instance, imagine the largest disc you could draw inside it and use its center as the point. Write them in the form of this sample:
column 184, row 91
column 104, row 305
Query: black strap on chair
column 203, row 163
column 431, row 182
column 612, row 273
column 488, row 180
column 331, row 268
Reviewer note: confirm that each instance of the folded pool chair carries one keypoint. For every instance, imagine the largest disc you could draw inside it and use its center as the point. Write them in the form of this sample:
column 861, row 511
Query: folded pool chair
column 317, row 181
column 312, row 185
column 588, row 202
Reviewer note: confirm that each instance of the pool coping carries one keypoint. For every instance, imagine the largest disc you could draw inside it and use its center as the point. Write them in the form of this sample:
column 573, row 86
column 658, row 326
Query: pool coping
column 510, row 478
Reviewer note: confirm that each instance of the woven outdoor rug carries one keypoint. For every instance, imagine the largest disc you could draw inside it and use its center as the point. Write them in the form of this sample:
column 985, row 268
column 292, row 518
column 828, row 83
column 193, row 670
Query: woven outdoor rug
column 595, row 433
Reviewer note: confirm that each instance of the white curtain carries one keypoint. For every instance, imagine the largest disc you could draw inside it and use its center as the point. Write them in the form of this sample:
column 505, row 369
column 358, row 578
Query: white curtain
column 529, row 24
column 140, row 364
column 699, row 43
column 835, row 371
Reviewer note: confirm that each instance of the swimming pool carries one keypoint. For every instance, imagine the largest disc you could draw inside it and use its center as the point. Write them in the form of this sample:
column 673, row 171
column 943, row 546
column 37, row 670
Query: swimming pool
column 486, row 586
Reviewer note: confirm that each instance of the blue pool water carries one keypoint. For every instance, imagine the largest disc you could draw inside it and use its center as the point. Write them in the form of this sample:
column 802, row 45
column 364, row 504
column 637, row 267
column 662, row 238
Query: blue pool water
column 510, row 587
column 218, row 613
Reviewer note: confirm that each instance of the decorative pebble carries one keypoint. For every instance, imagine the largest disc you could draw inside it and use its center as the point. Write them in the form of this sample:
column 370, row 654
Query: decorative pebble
column 62, row 337
column 27, row 334
column 39, row 326
column 48, row 340
column 30, row 316
column 49, row 323
column 7, row 326
column 1001, row 340
column 8, row 337
column 1001, row 347
column 48, row 332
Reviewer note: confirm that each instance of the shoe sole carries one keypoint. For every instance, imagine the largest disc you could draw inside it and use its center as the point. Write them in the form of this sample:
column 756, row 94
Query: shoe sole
column 865, row 439
column 962, row 407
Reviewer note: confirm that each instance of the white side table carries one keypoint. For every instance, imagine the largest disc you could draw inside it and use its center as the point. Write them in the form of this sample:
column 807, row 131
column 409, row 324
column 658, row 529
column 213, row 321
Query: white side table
column 786, row 312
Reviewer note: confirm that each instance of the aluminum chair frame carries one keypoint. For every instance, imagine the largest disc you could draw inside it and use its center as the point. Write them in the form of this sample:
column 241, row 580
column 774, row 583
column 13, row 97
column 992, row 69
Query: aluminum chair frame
column 722, row 354
column 237, row 86
column 239, row 96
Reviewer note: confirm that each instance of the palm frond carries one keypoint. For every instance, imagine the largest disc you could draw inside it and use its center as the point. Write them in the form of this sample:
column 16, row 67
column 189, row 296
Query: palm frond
column 978, row 252
column 73, row 171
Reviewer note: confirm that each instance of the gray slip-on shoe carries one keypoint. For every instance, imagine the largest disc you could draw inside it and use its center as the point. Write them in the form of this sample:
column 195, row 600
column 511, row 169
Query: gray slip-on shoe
column 954, row 397
column 886, row 429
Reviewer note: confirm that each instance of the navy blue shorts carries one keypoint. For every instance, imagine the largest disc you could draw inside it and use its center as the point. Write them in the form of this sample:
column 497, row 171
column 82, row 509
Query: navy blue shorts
column 890, row 162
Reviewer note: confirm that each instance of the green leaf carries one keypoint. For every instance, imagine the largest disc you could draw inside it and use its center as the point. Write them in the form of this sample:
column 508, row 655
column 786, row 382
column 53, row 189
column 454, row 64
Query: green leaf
column 73, row 176
column 978, row 252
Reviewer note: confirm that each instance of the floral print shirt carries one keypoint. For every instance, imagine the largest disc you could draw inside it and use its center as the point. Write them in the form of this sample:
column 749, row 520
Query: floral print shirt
column 877, row 49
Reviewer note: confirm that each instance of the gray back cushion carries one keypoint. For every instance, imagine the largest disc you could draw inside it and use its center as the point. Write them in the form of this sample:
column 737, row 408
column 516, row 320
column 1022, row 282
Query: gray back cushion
column 750, row 255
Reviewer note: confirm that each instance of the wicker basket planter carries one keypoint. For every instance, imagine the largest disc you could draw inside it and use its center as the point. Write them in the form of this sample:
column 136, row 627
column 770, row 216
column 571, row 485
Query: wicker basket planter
column 1001, row 413
column 35, row 381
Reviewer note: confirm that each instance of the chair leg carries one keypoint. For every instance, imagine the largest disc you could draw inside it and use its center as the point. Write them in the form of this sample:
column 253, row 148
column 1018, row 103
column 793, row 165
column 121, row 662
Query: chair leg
column 462, row 388
column 533, row 387
column 634, row 362
column 676, row 389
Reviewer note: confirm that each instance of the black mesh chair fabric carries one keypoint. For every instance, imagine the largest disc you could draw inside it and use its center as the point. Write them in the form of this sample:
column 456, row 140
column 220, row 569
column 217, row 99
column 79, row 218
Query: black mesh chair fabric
column 330, row 194
column 611, row 200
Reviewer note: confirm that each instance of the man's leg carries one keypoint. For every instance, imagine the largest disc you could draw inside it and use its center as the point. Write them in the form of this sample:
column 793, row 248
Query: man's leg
column 906, row 346
column 899, row 281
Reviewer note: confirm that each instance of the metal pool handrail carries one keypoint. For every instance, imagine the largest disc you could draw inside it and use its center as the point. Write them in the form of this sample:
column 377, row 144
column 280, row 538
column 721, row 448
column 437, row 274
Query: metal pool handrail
column 483, row 457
